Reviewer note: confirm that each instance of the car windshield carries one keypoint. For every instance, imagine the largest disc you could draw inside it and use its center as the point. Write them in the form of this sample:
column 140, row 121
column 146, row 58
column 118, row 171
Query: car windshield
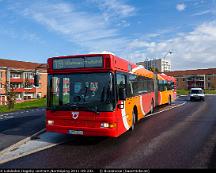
column 196, row 92
column 89, row 91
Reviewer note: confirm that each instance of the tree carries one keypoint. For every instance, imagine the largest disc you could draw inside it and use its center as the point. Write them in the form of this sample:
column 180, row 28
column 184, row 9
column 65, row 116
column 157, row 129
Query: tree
column 10, row 94
column 154, row 69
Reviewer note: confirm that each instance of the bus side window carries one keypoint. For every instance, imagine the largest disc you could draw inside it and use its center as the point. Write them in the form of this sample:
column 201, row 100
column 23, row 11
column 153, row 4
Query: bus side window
column 130, row 89
column 121, row 81
column 132, row 86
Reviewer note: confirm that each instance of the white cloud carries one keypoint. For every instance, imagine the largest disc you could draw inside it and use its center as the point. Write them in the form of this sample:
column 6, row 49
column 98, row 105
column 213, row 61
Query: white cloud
column 93, row 33
column 90, row 31
column 114, row 8
column 202, row 13
column 191, row 50
column 180, row 7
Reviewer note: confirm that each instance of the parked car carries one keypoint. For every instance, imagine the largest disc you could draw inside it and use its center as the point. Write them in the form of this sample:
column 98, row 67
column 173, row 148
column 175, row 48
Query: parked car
column 197, row 94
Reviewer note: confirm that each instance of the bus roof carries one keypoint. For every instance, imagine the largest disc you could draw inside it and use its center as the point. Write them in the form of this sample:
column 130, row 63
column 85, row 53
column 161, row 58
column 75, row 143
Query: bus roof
column 163, row 76
column 143, row 72
column 111, row 62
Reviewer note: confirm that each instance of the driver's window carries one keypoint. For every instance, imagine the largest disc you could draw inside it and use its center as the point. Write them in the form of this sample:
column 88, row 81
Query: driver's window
column 121, row 81
column 66, row 90
column 55, row 90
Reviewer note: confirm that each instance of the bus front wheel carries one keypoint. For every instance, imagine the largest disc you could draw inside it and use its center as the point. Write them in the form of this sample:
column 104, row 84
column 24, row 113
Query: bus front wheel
column 133, row 120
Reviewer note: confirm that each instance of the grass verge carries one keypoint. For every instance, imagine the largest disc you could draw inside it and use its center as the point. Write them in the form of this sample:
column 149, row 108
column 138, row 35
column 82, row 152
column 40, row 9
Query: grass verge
column 25, row 105
column 185, row 92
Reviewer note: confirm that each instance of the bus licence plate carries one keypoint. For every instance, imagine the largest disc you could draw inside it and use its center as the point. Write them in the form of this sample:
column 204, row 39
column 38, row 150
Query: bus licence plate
column 75, row 132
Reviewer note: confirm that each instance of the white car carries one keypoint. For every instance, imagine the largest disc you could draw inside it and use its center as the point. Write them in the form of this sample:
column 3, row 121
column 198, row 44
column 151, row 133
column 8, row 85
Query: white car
column 197, row 94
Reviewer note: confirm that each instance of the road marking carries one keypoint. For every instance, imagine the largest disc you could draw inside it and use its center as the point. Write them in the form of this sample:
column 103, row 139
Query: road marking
column 155, row 144
column 17, row 114
column 21, row 142
column 46, row 140
column 165, row 110
column 29, row 145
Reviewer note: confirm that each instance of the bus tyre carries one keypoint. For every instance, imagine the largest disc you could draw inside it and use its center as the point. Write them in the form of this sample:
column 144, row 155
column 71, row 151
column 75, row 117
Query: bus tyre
column 170, row 100
column 133, row 121
column 152, row 107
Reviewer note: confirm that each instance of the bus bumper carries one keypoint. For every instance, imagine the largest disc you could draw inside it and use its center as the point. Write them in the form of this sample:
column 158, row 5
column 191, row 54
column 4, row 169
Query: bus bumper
column 84, row 131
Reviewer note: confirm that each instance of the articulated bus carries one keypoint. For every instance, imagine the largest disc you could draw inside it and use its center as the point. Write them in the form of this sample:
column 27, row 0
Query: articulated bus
column 102, row 94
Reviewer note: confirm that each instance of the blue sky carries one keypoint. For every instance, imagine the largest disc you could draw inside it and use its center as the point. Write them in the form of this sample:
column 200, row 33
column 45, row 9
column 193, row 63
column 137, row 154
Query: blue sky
column 133, row 29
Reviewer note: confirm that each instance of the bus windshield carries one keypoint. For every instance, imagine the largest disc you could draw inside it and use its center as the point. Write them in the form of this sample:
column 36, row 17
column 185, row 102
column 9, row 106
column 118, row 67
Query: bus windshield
column 86, row 91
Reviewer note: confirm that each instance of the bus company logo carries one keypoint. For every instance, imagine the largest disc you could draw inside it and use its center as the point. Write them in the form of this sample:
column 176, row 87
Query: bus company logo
column 75, row 115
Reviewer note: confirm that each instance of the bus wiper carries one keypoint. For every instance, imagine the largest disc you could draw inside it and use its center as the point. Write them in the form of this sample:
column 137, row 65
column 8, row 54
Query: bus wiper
column 73, row 106
column 82, row 107
column 92, row 108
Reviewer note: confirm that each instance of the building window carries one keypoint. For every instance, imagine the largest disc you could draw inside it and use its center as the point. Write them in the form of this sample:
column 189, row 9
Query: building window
column 28, row 75
column 17, row 85
column 1, row 74
column 39, row 95
column 19, row 96
column 15, row 75
column 29, row 86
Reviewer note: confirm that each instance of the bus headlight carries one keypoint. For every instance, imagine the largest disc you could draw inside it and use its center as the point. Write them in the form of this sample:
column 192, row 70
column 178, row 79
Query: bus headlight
column 104, row 125
column 50, row 122
column 108, row 125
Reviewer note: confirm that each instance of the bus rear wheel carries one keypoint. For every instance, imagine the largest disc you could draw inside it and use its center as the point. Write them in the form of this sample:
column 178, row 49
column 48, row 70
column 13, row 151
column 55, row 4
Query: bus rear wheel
column 170, row 100
column 152, row 107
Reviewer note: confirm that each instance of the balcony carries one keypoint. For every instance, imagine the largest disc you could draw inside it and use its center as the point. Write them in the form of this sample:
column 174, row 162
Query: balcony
column 30, row 90
column 31, row 81
column 26, row 90
column 19, row 90
column 16, row 80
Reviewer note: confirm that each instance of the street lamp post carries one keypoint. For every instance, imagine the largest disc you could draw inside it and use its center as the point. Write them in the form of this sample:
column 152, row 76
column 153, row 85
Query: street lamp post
column 36, row 75
column 164, row 58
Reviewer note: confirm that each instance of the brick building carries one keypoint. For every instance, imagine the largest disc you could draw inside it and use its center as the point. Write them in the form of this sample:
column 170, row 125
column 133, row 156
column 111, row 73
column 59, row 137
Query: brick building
column 21, row 75
column 202, row 78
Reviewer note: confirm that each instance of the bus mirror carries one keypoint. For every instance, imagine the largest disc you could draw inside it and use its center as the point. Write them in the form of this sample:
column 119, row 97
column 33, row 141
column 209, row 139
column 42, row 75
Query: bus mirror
column 36, row 80
column 122, row 94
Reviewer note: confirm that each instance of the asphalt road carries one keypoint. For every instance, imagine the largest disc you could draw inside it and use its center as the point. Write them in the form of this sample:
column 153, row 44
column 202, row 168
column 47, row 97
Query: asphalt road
column 183, row 137
column 19, row 125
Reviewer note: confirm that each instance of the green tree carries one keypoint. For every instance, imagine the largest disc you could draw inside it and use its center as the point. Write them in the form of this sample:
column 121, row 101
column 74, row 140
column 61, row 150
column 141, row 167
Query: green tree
column 154, row 69
column 10, row 95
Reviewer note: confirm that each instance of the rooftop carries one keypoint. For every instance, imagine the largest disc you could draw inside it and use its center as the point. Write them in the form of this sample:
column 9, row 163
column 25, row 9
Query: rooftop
column 192, row 72
column 21, row 64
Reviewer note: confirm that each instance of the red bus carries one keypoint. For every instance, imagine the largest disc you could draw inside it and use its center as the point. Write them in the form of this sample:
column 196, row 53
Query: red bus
column 102, row 94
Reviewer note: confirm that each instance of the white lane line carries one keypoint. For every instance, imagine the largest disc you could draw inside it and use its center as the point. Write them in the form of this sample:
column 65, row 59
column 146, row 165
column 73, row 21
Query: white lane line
column 21, row 142
column 9, row 117
column 44, row 141
column 165, row 110
column 28, row 145
column 23, row 153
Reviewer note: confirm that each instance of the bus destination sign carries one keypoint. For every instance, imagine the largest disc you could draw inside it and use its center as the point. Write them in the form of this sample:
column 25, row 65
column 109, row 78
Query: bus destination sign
column 82, row 62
